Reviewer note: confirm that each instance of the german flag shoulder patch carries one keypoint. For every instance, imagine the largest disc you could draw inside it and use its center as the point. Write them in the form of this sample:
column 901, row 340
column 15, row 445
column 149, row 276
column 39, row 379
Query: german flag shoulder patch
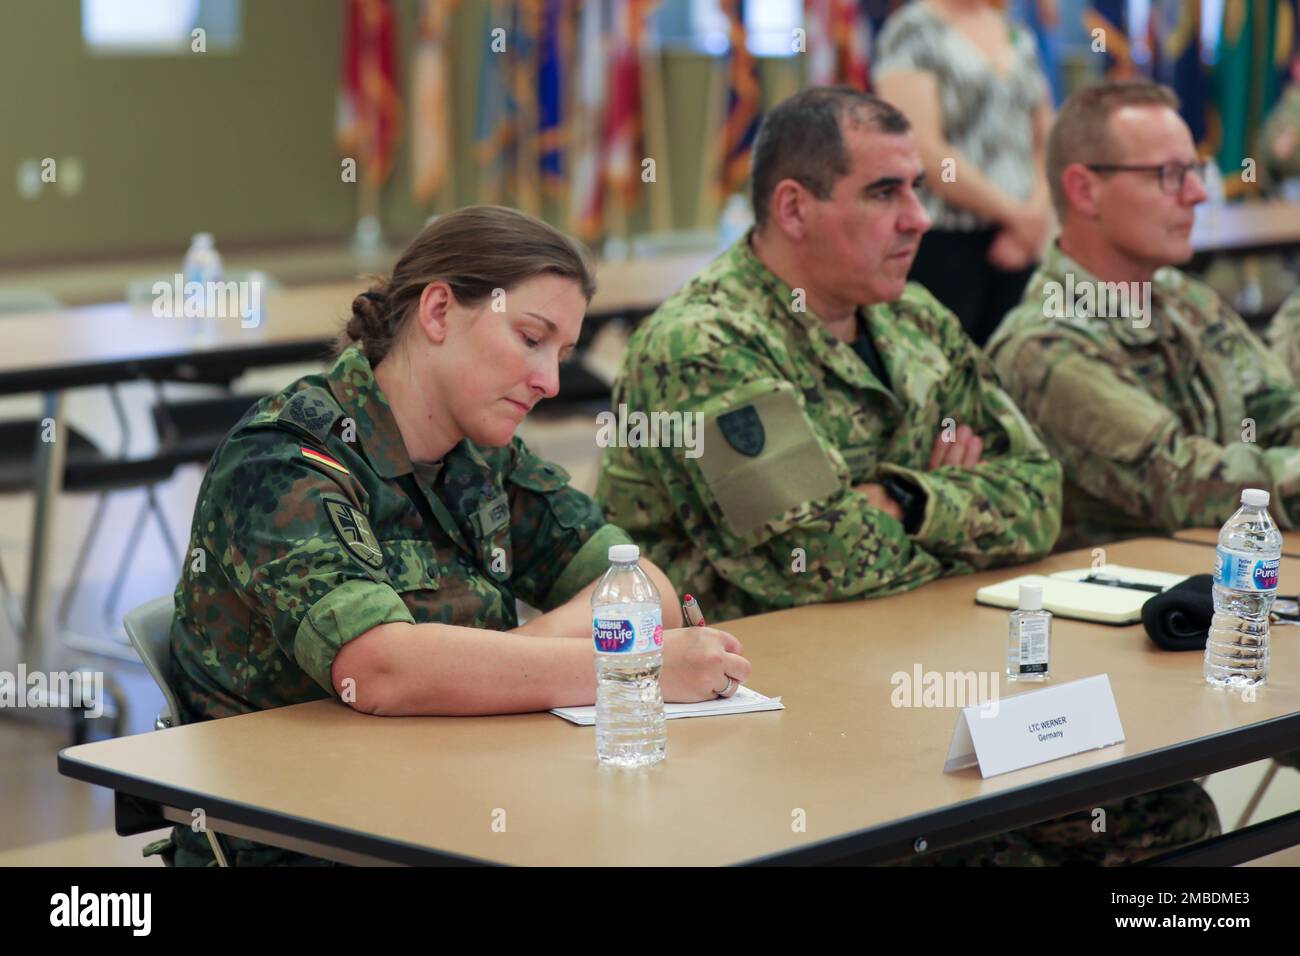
column 323, row 459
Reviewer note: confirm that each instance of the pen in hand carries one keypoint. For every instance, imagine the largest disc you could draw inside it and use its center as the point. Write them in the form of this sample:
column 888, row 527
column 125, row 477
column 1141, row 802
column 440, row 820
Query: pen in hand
column 691, row 612
column 692, row 617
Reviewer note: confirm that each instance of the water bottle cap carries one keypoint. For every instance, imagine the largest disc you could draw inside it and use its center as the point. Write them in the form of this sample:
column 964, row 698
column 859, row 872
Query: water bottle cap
column 624, row 553
column 1255, row 497
column 1031, row 597
column 202, row 239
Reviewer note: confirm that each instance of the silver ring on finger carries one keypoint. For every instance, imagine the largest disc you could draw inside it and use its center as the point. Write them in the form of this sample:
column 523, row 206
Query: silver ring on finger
column 727, row 691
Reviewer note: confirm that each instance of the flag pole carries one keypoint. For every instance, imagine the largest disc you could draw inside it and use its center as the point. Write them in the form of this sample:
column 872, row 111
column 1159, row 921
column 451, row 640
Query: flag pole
column 524, row 77
column 707, row 194
column 445, row 200
column 652, row 85
column 368, row 239
column 618, row 243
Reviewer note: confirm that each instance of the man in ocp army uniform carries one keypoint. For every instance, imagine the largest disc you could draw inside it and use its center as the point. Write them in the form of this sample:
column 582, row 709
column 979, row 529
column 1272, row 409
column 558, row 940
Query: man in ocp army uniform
column 855, row 442
column 1157, row 399
column 1284, row 334
column 1279, row 137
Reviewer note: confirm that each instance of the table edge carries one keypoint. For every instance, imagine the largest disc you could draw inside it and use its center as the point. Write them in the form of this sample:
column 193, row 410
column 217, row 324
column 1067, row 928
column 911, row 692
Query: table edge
column 947, row 826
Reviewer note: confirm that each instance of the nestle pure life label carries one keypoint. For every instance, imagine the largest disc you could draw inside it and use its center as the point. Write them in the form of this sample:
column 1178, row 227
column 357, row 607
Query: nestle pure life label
column 628, row 629
column 1244, row 573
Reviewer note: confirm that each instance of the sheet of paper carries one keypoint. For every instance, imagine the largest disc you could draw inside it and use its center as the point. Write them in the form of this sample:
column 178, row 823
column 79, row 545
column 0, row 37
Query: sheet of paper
column 743, row 701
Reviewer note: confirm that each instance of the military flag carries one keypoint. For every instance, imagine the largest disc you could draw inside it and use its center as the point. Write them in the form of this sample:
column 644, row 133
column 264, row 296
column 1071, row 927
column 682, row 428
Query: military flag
column 586, row 187
column 494, row 124
column 839, row 43
column 744, row 106
column 369, row 116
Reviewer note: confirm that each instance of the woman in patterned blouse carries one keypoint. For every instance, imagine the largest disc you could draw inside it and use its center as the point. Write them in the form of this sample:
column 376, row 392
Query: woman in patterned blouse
column 969, row 79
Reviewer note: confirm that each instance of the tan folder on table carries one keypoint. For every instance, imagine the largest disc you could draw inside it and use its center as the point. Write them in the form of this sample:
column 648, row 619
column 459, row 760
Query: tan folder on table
column 1065, row 593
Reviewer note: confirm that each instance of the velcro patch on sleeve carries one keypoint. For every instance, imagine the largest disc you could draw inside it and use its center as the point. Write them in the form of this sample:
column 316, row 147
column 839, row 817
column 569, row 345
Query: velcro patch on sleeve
column 310, row 411
column 1085, row 408
column 761, row 458
column 353, row 529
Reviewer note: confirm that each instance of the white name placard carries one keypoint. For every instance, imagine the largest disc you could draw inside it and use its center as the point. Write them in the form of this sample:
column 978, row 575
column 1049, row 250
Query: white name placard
column 1036, row 726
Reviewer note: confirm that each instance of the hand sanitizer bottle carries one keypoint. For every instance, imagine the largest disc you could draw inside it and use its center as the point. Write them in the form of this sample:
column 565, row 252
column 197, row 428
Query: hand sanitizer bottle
column 1030, row 638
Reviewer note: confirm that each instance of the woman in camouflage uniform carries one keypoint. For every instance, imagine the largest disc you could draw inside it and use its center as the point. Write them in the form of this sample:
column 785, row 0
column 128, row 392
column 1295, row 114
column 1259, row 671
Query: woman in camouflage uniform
column 365, row 532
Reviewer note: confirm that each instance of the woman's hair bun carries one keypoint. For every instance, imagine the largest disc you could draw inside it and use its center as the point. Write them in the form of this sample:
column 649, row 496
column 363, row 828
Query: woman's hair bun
column 369, row 317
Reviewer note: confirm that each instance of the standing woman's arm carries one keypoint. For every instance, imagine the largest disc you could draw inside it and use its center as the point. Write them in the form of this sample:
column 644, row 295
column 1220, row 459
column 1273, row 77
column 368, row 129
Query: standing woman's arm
column 1041, row 194
column 916, row 93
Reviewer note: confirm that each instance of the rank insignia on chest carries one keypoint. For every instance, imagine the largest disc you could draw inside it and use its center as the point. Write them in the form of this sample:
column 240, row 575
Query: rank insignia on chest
column 743, row 430
column 353, row 529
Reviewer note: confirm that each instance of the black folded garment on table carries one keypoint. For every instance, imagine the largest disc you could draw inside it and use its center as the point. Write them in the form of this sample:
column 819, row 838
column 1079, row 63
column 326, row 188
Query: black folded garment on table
column 1179, row 619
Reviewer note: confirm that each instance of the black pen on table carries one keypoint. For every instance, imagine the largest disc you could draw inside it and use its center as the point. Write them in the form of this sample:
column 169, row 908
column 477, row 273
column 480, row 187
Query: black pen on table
column 1117, row 583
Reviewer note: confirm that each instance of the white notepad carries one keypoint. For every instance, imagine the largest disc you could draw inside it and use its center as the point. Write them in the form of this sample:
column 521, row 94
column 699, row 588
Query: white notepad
column 1065, row 593
column 743, row 701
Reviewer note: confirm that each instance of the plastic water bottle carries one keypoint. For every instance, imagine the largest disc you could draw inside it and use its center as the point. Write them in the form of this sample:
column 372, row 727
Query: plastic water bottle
column 1245, row 583
column 627, row 626
column 202, row 265
column 202, row 261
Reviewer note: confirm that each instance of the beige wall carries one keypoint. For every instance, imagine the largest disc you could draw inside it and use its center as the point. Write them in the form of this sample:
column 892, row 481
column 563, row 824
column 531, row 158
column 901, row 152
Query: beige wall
column 241, row 145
